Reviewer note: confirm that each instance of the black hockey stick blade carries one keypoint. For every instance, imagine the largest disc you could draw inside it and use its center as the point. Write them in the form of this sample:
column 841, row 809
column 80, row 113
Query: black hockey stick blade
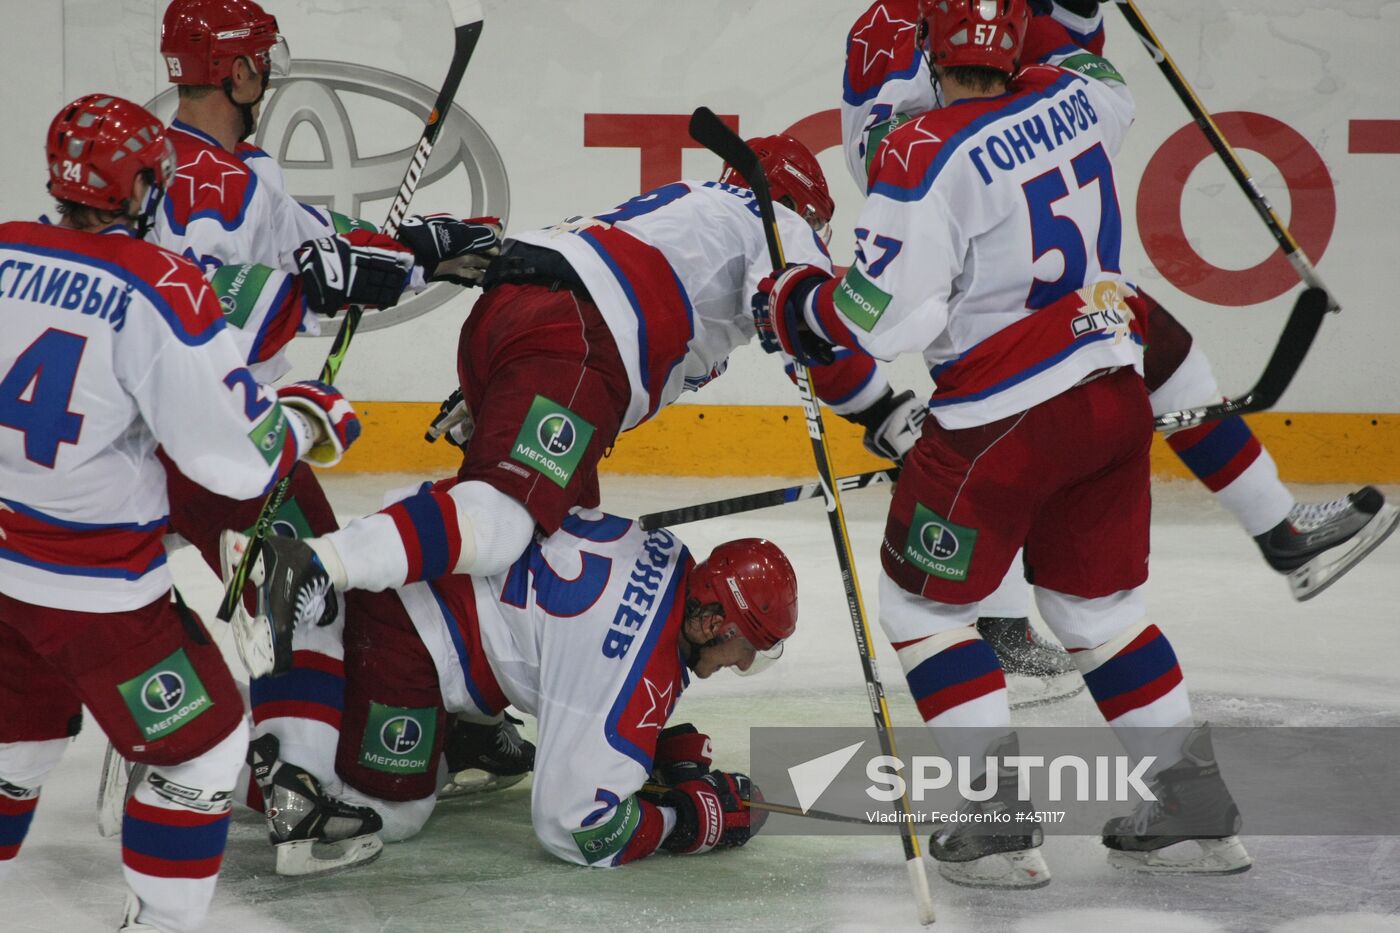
column 719, row 508
column 1303, row 324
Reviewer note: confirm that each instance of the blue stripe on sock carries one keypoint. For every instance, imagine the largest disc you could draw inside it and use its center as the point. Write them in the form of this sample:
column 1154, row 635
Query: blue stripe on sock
column 956, row 665
column 1126, row 672
column 1217, row 448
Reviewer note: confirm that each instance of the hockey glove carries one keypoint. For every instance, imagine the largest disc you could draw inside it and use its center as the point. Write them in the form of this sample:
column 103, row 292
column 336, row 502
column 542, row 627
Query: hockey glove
column 333, row 422
column 683, row 753
column 710, row 812
column 892, row 425
column 454, row 421
column 352, row 269
column 777, row 314
column 452, row 250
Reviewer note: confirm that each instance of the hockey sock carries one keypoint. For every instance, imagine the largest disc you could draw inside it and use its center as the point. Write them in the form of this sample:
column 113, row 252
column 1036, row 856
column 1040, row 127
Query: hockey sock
column 16, row 813
column 23, row 768
column 1136, row 681
column 1227, row 457
column 959, row 688
column 173, row 842
column 467, row 528
column 1224, row 455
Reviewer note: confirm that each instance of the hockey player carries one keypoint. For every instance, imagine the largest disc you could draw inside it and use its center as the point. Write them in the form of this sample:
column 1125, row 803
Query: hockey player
column 108, row 347
column 586, row 330
column 595, row 631
column 887, row 82
column 1040, row 423
column 278, row 266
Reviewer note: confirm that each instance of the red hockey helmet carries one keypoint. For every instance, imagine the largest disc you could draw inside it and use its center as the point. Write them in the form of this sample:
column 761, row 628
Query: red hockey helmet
column 201, row 39
column 793, row 173
column 989, row 33
column 99, row 144
column 754, row 584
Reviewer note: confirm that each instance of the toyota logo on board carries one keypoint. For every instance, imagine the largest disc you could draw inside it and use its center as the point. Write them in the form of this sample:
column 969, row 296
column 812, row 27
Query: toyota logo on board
column 344, row 135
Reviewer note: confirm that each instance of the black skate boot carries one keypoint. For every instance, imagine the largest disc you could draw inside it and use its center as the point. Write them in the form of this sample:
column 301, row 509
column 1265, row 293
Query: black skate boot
column 993, row 843
column 1318, row 543
column 485, row 756
column 311, row 832
column 293, row 590
column 1190, row 828
column 1038, row 672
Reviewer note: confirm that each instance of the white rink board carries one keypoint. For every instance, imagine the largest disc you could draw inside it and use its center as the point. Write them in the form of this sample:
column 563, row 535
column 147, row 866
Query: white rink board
column 544, row 65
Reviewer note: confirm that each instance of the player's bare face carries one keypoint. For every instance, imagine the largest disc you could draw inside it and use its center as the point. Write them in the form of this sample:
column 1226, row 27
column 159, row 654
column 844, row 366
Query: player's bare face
column 726, row 649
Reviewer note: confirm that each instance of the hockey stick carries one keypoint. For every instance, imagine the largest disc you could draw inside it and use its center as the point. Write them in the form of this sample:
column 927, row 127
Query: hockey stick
column 1303, row 324
column 762, row 500
column 467, row 17
column 783, row 808
column 1222, row 147
column 708, row 130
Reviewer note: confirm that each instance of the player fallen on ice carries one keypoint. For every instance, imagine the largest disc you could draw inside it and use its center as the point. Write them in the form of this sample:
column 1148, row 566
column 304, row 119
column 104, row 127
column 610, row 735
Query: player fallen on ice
column 111, row 346
column 888, row 82
column 279, row 267
column 595, row 631
column 1039, row 427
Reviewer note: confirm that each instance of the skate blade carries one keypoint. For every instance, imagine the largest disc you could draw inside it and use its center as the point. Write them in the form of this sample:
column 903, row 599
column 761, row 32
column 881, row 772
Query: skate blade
column 1331, row 565
column 1024, row 870
column 316, row 857
column 1023, row 692
column 1192, row 857
column 474, row 781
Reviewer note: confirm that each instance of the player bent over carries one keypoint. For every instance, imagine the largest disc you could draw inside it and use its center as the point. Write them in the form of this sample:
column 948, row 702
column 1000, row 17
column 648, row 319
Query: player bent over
column 595, row 631
column 1040, row 426
column 586, row 330
column 888, row 82
column 109, row 347
column 279, row 267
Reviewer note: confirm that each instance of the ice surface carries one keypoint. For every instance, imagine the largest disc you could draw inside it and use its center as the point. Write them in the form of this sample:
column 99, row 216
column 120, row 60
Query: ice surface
column 1251, row 656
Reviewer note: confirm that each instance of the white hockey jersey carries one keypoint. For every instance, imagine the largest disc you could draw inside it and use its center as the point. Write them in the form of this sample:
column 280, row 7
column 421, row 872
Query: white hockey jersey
column 108, row 347
column 582, row 633
column 672, row 272
column 230, row 213
column 887, row 79
column 980, row 215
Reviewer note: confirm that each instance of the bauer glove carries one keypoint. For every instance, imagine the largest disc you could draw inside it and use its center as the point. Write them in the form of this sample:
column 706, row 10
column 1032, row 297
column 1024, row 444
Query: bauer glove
column 452, row 250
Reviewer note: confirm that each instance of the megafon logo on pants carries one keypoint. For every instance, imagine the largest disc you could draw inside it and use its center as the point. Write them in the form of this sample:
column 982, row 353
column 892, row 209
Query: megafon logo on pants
column 342, row 148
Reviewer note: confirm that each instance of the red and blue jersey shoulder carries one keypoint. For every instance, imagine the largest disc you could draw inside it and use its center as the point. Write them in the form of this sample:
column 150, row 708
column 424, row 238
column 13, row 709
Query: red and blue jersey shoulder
column 882, row 46
column 657, row 678
column 210, row 181
column 246, row 150
column 171, row 284
column 910, row 157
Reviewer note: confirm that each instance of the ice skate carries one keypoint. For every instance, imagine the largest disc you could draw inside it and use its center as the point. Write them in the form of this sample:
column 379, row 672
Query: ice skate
column 484, row 757
column 1038, row 672
column 1318, row 543
column 1190, row 828
column 993, row 843
column 293, row 589
column 311, row 832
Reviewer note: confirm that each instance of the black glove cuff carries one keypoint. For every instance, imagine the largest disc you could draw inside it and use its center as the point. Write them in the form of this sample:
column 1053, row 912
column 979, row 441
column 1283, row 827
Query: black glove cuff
column 872, row 417
column 1079, row 7
column 682, row 837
